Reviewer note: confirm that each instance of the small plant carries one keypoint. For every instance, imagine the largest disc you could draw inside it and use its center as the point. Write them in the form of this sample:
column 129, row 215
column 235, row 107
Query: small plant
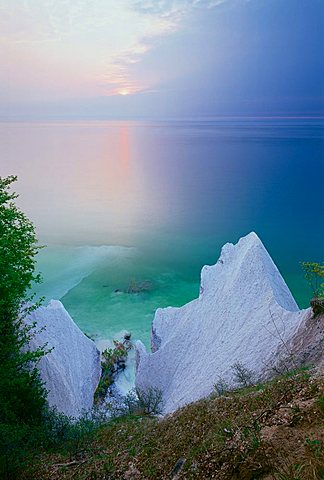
column 112, row 357
column 289, row 472
column 108, row 466
column 113, row 361
column 243, row 377
column 221, row 387
column 252, row 434
column 131, row 402
column 150, row 400
column 102, row 388
column 144, row 402
column 320, row 403
column 314, row 274
column 314, row 445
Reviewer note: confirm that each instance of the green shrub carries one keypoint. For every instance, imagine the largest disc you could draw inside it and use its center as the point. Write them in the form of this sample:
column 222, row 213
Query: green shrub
column 243, row 377
column 145, row 402
column 221, row 387
column 314, row 274
column 113, row 360
column 22, row 394
column 67, row 434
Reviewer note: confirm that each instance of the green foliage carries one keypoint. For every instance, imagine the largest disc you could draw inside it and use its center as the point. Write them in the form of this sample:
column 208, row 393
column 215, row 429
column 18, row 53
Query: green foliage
column 150, row 401
column 315, row 445
column 314, row 274
column 68, row 435
column 320, row 403
column 113, row 359
column 131, row 402
column 22, row 395
column 221, row 387
column 144, row 402
column 242, row 376
column 290, row 472
column 225, row 437
column 102, row 388
column 112, row 356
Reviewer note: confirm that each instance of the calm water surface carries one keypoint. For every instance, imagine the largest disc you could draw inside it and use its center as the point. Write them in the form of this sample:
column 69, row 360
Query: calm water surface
column 127, row 204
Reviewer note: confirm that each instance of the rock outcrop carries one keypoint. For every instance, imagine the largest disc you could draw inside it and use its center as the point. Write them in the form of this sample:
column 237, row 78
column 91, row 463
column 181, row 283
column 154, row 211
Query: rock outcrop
column 72, row 369
column 305, row 347
column 245, row 313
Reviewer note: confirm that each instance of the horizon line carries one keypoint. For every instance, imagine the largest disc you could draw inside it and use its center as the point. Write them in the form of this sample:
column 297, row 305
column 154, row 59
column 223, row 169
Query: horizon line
column 70, row 119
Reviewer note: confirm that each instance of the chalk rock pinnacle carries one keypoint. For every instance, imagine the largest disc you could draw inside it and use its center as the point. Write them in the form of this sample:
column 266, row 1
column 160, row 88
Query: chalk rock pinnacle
column 71, row 371
column 244, row 313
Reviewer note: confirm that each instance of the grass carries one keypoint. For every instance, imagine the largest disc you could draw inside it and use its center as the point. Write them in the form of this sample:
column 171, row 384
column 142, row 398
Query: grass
column 270, row 431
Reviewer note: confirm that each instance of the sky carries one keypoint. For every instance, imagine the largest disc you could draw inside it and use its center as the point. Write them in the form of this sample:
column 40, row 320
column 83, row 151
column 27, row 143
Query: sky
column 160, row 58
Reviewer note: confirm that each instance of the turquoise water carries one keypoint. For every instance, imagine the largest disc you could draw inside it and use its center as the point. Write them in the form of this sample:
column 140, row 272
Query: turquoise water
column 99, row 292
column 124, row 206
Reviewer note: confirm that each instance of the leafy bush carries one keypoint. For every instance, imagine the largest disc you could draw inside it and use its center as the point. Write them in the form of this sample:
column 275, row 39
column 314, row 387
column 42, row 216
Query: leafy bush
column 113, row 360
column 150, row 400
column 68, row 434
column 22, row 394
column 221, row 387
column 243, row 377
column 314, row 274
column 131, row 402
column 144, row 402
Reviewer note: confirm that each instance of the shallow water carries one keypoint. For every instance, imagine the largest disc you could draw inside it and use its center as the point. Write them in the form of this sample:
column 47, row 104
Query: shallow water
column 147, row 204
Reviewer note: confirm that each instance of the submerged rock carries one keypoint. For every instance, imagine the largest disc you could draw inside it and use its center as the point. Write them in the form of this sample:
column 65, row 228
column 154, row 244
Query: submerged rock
column 71, row 371
column 135, row 287
column 244, row 313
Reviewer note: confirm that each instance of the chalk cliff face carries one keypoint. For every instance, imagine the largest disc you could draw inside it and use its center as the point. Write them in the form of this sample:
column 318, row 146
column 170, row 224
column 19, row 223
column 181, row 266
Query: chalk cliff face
column 244, row 313
column 71, row 371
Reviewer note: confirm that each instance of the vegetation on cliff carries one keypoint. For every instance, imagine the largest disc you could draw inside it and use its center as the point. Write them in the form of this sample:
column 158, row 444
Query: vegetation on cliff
column 22, row 396
column 268, row 431
column 314, row 274
column 113, row 360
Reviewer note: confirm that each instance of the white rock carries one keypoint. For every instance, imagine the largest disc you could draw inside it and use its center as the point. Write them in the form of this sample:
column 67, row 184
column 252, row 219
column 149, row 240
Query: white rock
column 244, row 312
column 71, row 371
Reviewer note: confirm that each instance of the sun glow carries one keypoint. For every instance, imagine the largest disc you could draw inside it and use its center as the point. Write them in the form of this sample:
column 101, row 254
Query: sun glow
column 41, row 41
column 125, row 90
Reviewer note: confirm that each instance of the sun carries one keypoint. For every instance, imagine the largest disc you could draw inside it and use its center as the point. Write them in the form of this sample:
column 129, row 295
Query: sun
column 124, row 91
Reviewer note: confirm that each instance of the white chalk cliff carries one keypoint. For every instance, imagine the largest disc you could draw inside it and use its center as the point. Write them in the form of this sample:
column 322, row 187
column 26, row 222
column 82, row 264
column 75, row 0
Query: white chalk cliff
column 244, row 313
column 71, row 371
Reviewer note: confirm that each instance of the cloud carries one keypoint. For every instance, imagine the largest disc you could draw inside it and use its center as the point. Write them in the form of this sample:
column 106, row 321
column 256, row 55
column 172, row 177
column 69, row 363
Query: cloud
column 88, row 46
column 173, row 7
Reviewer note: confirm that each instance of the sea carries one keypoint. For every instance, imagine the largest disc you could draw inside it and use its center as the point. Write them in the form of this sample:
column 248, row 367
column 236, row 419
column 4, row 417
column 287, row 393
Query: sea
column 128, row 212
